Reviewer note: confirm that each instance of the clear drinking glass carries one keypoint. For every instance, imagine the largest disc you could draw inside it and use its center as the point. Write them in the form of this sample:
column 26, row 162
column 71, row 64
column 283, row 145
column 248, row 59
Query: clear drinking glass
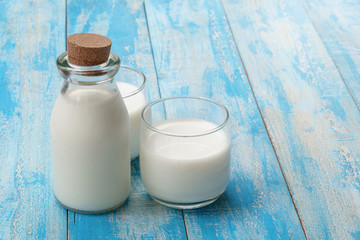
column 185, row 151
column 132, row 86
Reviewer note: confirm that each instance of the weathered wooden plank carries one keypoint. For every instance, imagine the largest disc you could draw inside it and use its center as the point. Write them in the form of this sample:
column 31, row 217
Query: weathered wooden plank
column 32, row 35
column 195, row 55
column 124, row 22
column 337, row 23
column 312, row 119
column 139, row 218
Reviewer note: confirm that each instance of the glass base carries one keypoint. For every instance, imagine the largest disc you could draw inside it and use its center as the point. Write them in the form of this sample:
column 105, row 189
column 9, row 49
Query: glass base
column 186, row 205
column 91, row 212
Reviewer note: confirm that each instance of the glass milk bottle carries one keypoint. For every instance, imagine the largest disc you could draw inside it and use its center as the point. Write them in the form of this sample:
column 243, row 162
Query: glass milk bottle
column 90, row 129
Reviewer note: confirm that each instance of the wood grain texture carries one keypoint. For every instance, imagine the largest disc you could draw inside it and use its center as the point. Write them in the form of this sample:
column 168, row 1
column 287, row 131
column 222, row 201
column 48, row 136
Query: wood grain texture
column 195, row 55
column 308, row 111
column 311, row 117
column 32, row 36
column 139, row 218
column 338, row 25
column 125, row 24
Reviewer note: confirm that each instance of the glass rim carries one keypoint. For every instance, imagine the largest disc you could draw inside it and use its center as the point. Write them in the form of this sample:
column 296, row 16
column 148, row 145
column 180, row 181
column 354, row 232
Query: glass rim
column 217, row 128
column 142, row 86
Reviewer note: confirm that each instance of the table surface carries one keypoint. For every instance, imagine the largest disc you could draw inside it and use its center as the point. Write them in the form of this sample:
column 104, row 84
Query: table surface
column 288, row 71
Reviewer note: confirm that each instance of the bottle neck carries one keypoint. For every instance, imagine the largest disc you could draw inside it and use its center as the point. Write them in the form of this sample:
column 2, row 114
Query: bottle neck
column 109, row 86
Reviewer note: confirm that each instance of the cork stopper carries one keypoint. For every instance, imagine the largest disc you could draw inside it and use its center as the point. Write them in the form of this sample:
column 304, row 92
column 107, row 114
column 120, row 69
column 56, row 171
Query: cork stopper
column 88, row 49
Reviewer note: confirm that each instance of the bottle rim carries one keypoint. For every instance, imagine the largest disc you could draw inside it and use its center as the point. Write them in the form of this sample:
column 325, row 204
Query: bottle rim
column 88, row 75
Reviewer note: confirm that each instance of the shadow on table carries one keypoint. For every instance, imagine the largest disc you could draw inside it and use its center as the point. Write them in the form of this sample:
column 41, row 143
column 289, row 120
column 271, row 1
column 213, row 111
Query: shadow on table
column 233, row 201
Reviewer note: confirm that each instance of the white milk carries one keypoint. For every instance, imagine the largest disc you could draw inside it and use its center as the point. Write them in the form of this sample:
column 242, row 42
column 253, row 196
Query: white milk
column 91, row 160
column 185, row 169
column 134, row 104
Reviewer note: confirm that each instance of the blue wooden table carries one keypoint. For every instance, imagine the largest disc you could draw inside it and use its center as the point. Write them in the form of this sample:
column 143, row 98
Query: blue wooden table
column 288, row 71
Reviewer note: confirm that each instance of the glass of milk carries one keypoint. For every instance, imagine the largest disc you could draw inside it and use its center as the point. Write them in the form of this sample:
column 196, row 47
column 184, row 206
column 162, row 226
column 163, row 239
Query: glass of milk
column 132, row 86
column 185, row 151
